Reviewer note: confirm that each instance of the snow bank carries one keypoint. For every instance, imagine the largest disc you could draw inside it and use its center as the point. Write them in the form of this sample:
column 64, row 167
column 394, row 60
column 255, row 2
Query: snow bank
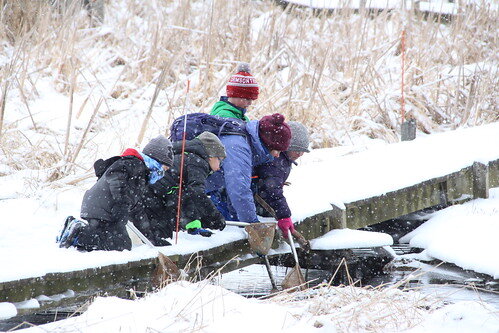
column 7, row 310
column 323, row 177
column 201, row 307
column 348, row 239
column 465, row 235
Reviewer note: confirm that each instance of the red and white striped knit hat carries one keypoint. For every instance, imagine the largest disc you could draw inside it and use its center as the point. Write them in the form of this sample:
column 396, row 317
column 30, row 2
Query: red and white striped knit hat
column 242, row 84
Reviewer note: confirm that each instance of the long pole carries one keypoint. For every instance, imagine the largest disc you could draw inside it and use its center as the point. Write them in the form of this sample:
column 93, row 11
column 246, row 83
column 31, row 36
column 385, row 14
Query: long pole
column 269, row 272
column 402, row 99
column 182, row 158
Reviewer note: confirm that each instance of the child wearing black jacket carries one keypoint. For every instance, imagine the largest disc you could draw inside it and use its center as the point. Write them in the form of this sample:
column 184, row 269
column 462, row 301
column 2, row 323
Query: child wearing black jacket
column 105, row 210
column 202, row 156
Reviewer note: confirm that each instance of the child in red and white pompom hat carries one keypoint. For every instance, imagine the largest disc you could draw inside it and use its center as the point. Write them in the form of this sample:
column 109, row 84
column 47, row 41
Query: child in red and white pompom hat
column 242, row 89
column 243, row 84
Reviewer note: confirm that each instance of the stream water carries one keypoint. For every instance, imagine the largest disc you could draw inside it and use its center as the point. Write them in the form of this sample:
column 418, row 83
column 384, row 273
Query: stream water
column 446, row 282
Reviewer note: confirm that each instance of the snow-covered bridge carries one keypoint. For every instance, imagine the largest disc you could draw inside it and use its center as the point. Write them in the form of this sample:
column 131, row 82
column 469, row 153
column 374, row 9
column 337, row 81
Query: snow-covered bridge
column 331, row 188
column 356, row 189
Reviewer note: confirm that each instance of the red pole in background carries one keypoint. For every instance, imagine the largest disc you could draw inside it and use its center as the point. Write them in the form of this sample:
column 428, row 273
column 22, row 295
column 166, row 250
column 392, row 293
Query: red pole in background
column 402, row 99
column 179, row 201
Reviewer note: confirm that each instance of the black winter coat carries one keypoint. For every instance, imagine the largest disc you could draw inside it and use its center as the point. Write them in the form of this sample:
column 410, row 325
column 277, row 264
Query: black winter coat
column 118, row 189
column 270, row 182
column 160, row 202
column 106, row 206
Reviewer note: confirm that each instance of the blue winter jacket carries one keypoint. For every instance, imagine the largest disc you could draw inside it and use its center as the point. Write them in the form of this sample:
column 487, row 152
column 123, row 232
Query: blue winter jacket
column 230, row 188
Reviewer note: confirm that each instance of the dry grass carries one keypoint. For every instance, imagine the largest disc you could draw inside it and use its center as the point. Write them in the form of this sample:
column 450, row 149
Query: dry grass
column 338, row 73
column 348, row 308
column 356, row 309
column 351, row 308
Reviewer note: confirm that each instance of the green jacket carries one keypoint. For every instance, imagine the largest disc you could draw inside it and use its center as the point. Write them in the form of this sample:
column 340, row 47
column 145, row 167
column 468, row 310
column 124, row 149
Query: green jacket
column 225, row 109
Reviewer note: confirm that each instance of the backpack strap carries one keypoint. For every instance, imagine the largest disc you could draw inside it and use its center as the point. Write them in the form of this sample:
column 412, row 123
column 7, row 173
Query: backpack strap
column 234, row 127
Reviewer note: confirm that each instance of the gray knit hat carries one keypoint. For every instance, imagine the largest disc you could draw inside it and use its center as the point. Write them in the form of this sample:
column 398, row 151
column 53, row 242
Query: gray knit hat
column 299, row 137
column 160, row 149
column 212, row 144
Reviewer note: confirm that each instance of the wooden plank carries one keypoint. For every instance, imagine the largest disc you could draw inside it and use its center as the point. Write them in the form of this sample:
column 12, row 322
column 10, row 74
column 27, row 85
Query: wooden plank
column 480, row 180
column 457, row 187
column 94, row 280
column 88, row 279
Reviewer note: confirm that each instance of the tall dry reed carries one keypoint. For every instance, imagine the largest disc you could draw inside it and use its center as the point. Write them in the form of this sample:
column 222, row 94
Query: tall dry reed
column 338, row 72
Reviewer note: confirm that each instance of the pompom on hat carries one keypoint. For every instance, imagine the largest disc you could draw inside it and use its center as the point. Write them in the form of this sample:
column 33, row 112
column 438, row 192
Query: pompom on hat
column 274, row 132
column 242, row 84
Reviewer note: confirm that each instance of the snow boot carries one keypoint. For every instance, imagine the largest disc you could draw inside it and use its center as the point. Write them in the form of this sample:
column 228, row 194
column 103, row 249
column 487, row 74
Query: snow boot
column 70, row 231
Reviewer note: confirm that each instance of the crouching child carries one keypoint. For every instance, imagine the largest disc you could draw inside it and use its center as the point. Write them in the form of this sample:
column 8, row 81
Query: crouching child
column 105, row 210
column 270, row 178
column 202, row 156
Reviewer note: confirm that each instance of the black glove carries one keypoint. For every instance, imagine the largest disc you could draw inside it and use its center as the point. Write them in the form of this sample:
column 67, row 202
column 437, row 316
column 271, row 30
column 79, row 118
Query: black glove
column 199, row 231
column 215, row 220
column 216, row 224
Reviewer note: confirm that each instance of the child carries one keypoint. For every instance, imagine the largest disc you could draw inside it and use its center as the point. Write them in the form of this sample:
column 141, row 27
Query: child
column 202, row 156
column 270, row 177
column 242, row 90
column 121, row 183
column 230, row 189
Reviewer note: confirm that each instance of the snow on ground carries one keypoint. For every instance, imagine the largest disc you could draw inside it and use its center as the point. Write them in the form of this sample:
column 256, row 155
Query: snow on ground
column 7, row 310
column 201, row 307
column 30, row 225
column 329, row 178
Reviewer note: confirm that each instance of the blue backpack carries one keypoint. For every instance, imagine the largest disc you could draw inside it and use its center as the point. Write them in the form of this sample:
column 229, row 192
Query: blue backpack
column 198, row 123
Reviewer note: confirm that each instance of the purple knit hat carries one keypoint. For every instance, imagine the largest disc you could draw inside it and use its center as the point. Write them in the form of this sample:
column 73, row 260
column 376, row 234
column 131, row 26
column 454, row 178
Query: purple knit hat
column 274, row 132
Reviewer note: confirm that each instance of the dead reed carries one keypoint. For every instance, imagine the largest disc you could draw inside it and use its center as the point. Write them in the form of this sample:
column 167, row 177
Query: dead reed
column 337, row 72
column 352, row 308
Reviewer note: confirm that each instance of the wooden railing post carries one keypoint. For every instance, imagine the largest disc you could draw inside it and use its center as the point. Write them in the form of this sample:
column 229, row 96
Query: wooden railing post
column 480, row 180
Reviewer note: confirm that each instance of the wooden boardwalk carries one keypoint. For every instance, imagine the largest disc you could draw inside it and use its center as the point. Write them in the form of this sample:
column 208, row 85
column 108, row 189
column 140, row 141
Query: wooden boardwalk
column 466, row 184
